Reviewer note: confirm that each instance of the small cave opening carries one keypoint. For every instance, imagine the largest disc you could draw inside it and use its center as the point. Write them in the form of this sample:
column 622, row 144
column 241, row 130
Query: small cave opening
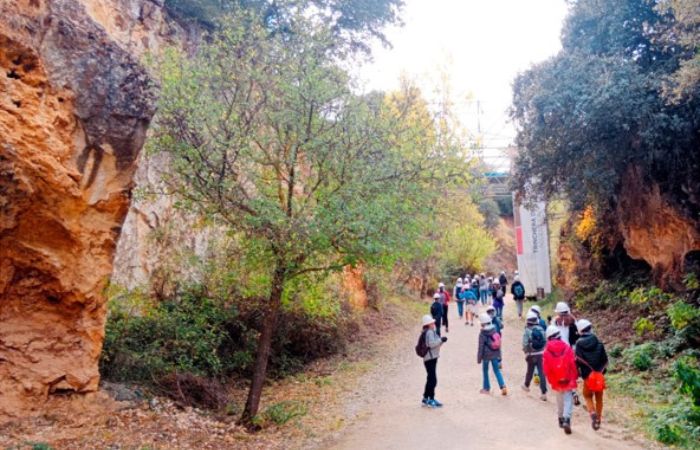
column 691, row 262
column 617, row 262
column 13, row 75
column 17, row 103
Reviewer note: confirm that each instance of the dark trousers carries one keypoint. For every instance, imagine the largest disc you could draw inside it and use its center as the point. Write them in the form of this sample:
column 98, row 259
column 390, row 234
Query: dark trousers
column 444, row 316
column 431, row 382
column 535, row 361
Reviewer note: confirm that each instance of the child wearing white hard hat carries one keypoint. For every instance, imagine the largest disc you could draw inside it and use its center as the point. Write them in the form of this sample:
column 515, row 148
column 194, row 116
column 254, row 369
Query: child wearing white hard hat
column 444, row 301
column 534, row 342
column 560, row 368
column 433, row 343
column 566, row 323
column 591, row 357
column 489, row 353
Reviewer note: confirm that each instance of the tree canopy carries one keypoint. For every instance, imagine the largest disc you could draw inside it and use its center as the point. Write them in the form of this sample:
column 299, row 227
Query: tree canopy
column 598, row 108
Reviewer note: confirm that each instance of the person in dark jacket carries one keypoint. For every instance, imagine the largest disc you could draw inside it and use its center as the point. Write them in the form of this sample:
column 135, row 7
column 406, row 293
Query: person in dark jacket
column 518, row 291
column 590, row 356
column 436, row 312
column 487, row 355
column 503, row 281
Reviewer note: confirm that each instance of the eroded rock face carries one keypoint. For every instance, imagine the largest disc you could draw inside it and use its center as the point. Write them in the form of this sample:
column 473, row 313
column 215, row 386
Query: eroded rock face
column 653, row 230
column 74, row 108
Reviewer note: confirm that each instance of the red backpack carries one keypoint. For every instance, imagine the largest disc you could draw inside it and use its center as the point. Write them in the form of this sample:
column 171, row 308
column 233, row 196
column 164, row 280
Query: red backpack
column 559, row 371
column 494, row 341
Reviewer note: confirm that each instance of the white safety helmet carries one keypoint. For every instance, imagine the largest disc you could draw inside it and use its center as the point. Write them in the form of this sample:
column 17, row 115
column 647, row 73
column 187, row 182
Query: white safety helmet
column 552, row 332
column 582, row 324
column 441, row 285
column 484, row 318
column 562, row 308
column 490, row 308
column 532, row 316
column 536, row 309
column 427, row 320
column 436, row 296
column 517, row 278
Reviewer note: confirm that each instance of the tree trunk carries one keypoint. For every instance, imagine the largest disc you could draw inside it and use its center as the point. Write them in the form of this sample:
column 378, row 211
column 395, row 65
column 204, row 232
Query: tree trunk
column 264, row 345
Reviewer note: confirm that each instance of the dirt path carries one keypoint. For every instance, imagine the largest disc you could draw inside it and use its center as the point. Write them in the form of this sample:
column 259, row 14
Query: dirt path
column 388, row 413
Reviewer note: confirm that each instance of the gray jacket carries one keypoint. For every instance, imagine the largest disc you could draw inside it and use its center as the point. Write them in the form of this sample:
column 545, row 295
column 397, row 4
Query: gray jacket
column 434, row 343
column 485, row 351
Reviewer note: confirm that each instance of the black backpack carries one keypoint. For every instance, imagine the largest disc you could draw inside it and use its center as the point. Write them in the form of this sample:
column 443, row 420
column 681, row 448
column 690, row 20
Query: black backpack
column 422, row 345
column 537, row 340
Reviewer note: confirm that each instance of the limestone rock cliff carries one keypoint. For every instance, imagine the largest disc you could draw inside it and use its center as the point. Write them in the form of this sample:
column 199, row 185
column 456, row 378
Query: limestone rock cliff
column 75, row 103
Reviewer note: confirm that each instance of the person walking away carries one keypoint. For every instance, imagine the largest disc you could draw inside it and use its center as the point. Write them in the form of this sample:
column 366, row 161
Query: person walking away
column 538, row 311
column 470, row 300
column 592, row 361
column 534, row 342
column 489, row 353
column 483, row 289
column 436, row 312
column 444, row 301
column 498, row 299
column 475, row 286
column 429, row 344
column 457, row 294
column 495, row 320
column 518, row 291
column 566, row 323
column 503, row 282
column 560, row 369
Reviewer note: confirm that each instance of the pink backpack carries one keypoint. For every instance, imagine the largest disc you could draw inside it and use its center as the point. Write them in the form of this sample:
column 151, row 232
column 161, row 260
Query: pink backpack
column 495, row 341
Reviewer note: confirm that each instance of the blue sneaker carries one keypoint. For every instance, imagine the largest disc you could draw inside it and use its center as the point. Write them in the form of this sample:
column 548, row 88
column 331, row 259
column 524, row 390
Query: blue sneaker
column 425, row 401
column 435, row 404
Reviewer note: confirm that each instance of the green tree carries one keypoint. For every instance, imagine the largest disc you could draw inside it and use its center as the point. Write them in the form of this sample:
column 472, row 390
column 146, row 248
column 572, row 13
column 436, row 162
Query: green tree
column 597, row 109
column 267, row 138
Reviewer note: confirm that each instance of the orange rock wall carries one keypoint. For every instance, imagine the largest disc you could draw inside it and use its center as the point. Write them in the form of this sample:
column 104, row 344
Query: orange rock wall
column 654, row 230
column 74, row 108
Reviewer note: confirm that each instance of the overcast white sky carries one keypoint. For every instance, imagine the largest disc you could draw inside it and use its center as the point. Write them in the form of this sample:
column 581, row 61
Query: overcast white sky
column 480, row 44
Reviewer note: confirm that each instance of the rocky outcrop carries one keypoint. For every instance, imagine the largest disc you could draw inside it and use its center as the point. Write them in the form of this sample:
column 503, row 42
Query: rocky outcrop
column 75, row 104
column 654, row 230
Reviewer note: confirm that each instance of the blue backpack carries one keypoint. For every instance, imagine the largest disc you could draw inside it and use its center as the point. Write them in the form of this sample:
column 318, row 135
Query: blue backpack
column 519, row 291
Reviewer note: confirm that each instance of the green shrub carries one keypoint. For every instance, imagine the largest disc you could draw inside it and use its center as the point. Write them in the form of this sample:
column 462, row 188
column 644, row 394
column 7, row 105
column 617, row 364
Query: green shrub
column 643, row 325
column 691, row 281
column 688, row 374
column 282, row 412
column 682, row 314
column 176, row 335
column 640, row 357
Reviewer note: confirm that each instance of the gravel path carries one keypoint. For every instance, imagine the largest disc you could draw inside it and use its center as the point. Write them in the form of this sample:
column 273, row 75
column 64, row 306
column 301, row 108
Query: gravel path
column 387, row 412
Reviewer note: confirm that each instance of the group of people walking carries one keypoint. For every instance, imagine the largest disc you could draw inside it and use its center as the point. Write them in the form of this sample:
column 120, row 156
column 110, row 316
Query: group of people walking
column 557, row 351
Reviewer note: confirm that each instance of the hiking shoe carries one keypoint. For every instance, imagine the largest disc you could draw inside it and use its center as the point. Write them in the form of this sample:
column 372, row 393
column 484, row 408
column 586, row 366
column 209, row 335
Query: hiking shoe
column 435, row 404
column 504, row 391
column 595, row 423
column 561, row 422
column 596, row 426
column 567, row 426
column 425, row 401
column 543, row 397
column 577, row 401
column 524, row 388
column 484, row 391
